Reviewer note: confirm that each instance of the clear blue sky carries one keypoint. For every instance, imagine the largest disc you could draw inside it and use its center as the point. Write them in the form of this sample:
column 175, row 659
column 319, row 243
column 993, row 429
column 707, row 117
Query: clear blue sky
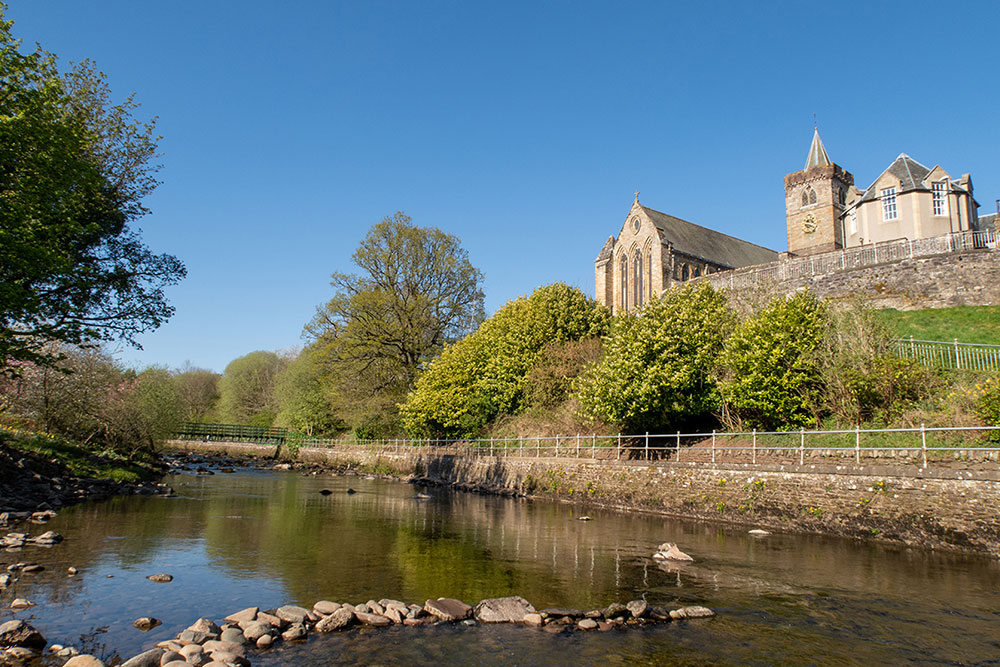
column 289, row 128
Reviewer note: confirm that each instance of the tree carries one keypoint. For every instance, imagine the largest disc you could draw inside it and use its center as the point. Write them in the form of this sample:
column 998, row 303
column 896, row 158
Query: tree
column 656, row 370
column 246, row 389
column 302, row 392
column 74, row 169
column 485, row 374
column 198, row 391
column 415, row 292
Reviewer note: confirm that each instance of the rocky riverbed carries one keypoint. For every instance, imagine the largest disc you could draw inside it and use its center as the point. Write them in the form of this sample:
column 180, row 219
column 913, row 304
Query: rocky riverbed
column 234, row 641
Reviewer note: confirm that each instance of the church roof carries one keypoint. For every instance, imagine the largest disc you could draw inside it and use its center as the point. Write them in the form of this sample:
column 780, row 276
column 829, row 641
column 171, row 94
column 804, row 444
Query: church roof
column 989, row 222
column 817, row 154
column 692, row 239
column 911, row 175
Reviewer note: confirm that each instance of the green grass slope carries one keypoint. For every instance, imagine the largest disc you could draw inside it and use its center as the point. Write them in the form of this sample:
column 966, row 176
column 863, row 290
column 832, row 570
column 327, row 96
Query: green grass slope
column 967, row 324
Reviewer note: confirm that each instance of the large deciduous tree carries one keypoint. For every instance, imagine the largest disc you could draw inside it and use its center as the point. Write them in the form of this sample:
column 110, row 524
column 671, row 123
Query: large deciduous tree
column 416, row 291
column 74, row 169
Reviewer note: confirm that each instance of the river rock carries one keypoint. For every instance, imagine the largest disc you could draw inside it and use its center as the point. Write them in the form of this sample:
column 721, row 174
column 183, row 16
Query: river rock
column 759, row 532
column 338, row 620
column 254, row 630
column 233, row 635
column 669, row 551
column 19, row 633
column 248, row 614
column 511, row 609
column 161, row 578
column 292, row 614
column 214, row 646
column 295, row 631
column 47, row 538
column 191, row 653
column 691, row 612
column 271, row 619
column 373, row 619
column 393, row 615
column 413, row 622
column 21, row 603
column 604, row 626
column 265, row 641
column 5, row 580
column 375, row 607
column 448, row 609
column 172, row 656
column 325, row 607
column 71, row 570
column 146, row 623
column 83, row 660
column 637, row 608
column 205, row 625
column 33, row 567
column 587, row 624
column 616, row 610
column 176, row 663
column 658, row 613
column 195, row 637
column 394, row 604
column 561, row 611
column 533, row 619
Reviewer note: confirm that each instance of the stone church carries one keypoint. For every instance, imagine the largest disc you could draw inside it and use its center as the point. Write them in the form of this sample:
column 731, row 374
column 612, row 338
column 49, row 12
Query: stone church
column 824, row 212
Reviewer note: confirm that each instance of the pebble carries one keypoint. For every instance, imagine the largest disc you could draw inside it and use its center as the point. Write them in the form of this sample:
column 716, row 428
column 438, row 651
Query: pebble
column 161, row 578
column 21, row 603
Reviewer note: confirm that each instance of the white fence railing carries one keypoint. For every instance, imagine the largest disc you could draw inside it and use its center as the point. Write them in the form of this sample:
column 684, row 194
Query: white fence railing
column 953, row 355
column 918, row 444
column 853, row 258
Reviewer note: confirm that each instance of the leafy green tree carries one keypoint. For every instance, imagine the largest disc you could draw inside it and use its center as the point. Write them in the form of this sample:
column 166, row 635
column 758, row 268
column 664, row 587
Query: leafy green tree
column 415, row 292
column 74, row 169
column 656, row 370
column 198, row 391
column 246, row 389
column 302, row 391
column 770, row 374
column 485, row 374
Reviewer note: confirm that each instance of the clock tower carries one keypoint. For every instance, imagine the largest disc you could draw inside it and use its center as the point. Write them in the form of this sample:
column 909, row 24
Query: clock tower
column 814, row 203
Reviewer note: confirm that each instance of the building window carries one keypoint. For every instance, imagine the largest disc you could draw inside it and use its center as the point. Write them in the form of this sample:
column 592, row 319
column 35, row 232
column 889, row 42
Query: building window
column 624, row 281
column 685, row 272
column 808, row 196
column 697, row 272
column 854, row 221
column 889, row 204
column 940, row 199
column 637, row 268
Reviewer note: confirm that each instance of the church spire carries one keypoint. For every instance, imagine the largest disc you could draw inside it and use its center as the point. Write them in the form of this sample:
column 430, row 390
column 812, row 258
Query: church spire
column 817, row 154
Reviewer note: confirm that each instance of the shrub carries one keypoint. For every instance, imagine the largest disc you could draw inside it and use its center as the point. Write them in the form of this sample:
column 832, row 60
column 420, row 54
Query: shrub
column 655, row 372
column 550, row 381
column 769, row 375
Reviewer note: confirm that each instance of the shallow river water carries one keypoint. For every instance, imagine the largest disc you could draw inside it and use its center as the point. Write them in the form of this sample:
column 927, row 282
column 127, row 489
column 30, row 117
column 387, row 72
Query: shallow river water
column 263, row 538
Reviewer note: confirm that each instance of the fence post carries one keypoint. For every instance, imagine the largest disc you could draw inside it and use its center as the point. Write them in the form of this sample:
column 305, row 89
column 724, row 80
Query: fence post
column 713, row 445
column 647, row 445
column 593, row 446
column 577, row 445
column 857, row 444
column 802, row 446
column 958, row 361
column 677, row 454
column 491, row 445
column 923, row 443
column 755, row 446
column 538, row 447
column 619, row 457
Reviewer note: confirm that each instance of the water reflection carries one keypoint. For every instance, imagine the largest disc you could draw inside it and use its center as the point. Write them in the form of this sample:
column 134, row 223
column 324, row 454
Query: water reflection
column 265, row 538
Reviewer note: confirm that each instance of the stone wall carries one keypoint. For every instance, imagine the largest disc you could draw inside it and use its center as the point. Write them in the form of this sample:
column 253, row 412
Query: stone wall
column 938, row 507
column 967, row 278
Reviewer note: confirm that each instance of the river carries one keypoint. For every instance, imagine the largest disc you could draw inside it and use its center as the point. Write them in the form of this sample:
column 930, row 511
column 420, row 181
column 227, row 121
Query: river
column 267, row 538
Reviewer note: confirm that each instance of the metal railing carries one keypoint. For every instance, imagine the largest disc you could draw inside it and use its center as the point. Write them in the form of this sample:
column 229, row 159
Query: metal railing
column 264, row 435
column 853, row 258
column 953, row 355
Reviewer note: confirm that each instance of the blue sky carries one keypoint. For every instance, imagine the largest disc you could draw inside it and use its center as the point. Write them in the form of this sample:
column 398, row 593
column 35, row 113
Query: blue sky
column 289, row 128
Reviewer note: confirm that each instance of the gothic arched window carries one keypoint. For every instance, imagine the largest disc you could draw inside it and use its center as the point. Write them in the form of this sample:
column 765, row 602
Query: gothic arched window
column 637, row 270
column 624, row 280
column 685, row 272
column 697, row 272
column 808, row 196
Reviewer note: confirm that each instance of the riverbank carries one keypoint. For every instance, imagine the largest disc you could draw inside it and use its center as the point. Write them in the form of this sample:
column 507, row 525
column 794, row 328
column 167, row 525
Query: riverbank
column 940, row 507
column 39, row 473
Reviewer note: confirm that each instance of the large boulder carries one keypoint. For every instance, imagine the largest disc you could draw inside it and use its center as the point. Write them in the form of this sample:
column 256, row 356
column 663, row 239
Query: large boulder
column 447, row 609
column 338, row 620
column 19, row 633
column 83, row 660
column 511, row 609
column 150, row 658
column 248, row 614
column 292, row 614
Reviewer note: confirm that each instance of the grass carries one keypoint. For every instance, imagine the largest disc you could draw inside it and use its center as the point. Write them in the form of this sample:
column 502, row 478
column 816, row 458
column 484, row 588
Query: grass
column 968, row 324
column 76, row 459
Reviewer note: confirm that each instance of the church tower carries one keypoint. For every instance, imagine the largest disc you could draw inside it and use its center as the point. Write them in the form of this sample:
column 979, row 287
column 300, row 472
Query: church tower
column 814, row 203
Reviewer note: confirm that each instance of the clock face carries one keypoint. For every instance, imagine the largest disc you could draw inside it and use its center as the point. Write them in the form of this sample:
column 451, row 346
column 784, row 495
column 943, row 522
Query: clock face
column 635, row 225
column 809, row 224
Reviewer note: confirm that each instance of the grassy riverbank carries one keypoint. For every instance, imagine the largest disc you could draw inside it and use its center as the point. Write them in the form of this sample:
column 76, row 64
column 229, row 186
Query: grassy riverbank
column 967, row 324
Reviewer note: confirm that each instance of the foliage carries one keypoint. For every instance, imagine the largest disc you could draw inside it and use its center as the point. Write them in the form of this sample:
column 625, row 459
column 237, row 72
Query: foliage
column 75, row 170
column 76, row 459
column 416, row 291
column 550, row 381
column 486, row 373
column 246, row 389
column 655, row 373
column 89, row 399
column 302, row 396
column 769, row 373
column 983, row 399
column 198, row 392
column 863, row 378
column 967, row 324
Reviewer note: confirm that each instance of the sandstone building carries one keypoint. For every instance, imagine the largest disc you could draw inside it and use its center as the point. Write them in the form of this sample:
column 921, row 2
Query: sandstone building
column 824, row 212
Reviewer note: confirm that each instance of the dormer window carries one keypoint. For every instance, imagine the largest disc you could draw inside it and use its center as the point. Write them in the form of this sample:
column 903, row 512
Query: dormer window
column 889, row 204
column 939, row 194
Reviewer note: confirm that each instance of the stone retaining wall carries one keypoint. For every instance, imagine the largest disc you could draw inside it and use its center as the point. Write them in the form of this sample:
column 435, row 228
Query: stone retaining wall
column 937, row 507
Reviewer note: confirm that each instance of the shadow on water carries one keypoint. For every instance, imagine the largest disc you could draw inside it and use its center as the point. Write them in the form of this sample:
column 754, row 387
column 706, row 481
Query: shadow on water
column 270, row 538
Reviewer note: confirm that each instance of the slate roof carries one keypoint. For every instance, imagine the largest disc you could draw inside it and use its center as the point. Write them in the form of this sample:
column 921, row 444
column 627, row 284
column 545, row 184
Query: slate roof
column 817, row 153
column 606, row 250
column 989, row 222
column 911, row 175
column 719, row 248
